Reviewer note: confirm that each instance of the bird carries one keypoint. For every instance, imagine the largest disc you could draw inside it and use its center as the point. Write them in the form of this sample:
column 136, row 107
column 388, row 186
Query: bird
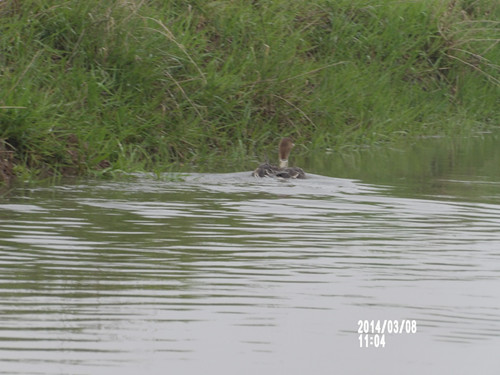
column 283, row 170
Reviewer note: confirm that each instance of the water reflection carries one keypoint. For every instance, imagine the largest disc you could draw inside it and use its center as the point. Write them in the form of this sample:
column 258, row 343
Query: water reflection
column 225, row 273
column 449, row 167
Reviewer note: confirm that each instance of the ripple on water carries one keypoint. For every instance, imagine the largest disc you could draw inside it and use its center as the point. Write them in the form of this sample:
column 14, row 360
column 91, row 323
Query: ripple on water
column 219, row 270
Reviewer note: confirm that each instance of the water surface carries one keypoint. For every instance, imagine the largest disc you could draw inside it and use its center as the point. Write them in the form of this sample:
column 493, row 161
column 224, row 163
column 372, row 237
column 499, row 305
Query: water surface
column 224, row 273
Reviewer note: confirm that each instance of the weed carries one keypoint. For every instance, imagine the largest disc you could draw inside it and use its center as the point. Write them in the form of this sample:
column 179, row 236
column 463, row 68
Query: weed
column 94, row 86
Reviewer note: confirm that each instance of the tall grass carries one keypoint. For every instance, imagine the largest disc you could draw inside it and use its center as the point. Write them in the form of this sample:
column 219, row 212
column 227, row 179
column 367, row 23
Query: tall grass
column 159, row 84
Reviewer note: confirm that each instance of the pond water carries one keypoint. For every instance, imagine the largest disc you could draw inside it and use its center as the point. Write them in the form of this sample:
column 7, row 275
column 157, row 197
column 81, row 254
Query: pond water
column 224, row 273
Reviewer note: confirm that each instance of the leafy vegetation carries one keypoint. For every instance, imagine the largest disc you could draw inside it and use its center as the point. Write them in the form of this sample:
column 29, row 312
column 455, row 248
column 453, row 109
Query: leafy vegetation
column 154, row 85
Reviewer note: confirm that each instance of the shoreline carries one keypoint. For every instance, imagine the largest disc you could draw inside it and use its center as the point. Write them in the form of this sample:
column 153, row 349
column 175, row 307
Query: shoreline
column 98, row 86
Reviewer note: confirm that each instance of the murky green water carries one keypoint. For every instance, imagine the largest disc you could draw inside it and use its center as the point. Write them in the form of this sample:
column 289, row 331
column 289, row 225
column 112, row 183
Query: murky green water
column 225, row 274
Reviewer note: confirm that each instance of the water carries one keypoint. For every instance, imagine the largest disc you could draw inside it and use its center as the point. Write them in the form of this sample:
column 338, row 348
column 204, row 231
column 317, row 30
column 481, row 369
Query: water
column 224, row 274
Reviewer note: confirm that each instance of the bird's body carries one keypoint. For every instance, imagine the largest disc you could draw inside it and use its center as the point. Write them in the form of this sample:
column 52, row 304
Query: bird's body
column 283, row 171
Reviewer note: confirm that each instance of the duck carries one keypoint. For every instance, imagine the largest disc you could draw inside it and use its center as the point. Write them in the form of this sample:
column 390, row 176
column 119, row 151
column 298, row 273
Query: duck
column 283, row 170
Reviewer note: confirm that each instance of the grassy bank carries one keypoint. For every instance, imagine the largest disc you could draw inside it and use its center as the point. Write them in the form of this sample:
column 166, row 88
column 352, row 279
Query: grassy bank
column 98, row 84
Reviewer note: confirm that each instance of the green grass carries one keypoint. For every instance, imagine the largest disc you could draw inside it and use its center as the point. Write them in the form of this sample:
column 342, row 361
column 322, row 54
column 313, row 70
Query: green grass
column 166, row 85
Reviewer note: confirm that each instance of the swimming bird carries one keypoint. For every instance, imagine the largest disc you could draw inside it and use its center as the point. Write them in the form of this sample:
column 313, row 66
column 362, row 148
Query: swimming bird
column 283, row 171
